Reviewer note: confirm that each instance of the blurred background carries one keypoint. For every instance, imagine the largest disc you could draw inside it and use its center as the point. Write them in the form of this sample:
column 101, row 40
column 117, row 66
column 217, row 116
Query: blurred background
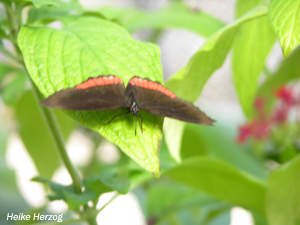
column 218, row 99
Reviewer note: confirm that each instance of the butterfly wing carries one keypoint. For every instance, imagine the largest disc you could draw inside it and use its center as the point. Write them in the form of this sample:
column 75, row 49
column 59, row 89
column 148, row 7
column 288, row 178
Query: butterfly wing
column 101, row 93
column 158, row 100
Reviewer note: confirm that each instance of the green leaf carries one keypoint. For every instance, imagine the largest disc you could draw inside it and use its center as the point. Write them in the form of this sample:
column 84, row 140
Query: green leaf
column 173, row 136
column 95, row 185
column 243, row 6
column 6, row 1
column 4, row 70
column 282, row 196
column 58, row 189
column 210, row 57
column 36, row 136
column 39, row 3
column 284, row 17
column 47, row 14
column 13, row 91
column 164, row 198
column 190, row 80
column 220, row 180
column 173, row 200
column 288, row 71
column 259, row 219
column 59, row 59
column 107, row 182
column 250, row 50
column 177, row 15
column 201, row 141
column 75, row 200
column 2, row 33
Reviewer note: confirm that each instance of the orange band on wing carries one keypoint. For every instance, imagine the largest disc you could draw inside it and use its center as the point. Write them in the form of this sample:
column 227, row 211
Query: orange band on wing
column 99, row 81
column 148, row 84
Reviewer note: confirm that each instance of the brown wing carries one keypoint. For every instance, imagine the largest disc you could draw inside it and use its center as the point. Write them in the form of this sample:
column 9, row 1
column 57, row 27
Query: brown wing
column 101, row 93
column 158, row 100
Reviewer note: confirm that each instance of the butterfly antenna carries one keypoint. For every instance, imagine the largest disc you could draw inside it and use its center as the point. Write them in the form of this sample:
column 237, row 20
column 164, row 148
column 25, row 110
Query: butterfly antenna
column 123, row 114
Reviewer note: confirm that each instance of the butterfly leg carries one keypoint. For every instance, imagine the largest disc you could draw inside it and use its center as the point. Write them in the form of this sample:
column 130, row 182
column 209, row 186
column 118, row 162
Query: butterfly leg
column 141, row 124
column 123, row 114
column 135, row 124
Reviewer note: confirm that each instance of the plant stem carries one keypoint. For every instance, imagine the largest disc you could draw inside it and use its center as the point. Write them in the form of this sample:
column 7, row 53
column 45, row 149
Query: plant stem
column 113, row 198
column 10, row 55
column 14, row 18
column 92, row 221
column 155, row 36
column 58, row 139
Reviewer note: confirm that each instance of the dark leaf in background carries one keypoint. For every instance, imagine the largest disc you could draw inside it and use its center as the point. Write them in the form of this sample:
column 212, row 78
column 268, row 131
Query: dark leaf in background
column 10, row 197
column 250, row 50
column 13, row 91
column 201, row 141
column 221, row 181
column 36, row 136
column 67, row 193
column 4, row 70
column 282, row 195
column 287, row 71
column 107, row 182
column 188, row 82
column 39, row 3
column 46, row 14
column 175, row 15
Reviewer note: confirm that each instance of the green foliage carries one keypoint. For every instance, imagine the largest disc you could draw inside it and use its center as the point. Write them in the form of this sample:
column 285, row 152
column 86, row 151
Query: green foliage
column 200, row 141
column 176, row 15
column 45, row 14
column 250, row 50
column 189, row 81
column 169, row 200
column 4, row 70
column 36, row 136
column 208, row 58
column 287, row 71
column 284, row 17
column 94, row 186
column 108, row 182
column 208, row 175
column 282, row 196
column 12, row 92
column 205, row 173
column 39, row 3
column 9, row 193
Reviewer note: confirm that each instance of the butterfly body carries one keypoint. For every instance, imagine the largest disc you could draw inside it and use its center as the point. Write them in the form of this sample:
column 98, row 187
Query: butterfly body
column 109, row 93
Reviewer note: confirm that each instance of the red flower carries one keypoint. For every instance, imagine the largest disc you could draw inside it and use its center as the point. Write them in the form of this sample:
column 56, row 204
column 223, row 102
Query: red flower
column 244, row 133
column 286, row 95
column 256, row 129
column 261, row 129
column 281, row 113
column 151, row 220
column 259, row 105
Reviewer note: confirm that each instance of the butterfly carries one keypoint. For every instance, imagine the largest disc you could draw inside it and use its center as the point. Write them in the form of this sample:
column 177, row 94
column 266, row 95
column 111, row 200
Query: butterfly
column 109, row 93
